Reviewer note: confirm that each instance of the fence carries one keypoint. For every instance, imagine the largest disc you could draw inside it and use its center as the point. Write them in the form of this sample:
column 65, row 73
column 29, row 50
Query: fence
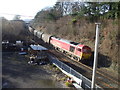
column 86, row 83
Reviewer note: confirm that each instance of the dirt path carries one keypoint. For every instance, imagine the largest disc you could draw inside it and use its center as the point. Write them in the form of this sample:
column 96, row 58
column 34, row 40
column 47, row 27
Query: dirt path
column 16, row 73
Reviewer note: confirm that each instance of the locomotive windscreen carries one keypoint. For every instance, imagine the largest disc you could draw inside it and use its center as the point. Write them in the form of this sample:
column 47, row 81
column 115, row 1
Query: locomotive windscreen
column 86, row 49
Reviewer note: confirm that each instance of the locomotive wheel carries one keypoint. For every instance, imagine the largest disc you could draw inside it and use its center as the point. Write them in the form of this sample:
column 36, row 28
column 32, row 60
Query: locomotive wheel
column 76, row 58
column 57, row 48
column 63, row 51
column 54, row 48
column 70, row 55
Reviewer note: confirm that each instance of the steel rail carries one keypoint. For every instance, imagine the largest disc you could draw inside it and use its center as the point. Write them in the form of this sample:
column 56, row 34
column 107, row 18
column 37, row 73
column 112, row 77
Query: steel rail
column 98, row 71
column 89, row 69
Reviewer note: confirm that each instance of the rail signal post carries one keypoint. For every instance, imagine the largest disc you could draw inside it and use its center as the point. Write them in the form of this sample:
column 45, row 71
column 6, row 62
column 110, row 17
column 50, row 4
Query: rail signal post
column 95, row 56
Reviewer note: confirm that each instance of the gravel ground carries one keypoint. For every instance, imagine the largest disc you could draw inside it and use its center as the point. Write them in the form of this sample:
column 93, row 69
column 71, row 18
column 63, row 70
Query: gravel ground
column 16, row 73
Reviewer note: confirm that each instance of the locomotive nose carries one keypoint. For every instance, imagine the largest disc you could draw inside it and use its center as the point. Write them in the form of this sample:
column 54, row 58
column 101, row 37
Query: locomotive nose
column 86, row 56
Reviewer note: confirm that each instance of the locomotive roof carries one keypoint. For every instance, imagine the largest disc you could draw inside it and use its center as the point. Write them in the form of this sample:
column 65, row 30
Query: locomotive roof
column 67, row 41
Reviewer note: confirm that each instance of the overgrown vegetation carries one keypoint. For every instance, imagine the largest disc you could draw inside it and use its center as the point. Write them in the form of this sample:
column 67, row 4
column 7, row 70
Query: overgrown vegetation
column 68, row 84
column 94, row 11
column 13, row 30
column 76, row 21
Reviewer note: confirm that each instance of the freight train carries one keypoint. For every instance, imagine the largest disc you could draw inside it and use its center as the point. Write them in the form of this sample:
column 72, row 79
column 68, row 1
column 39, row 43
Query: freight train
column 74, row 50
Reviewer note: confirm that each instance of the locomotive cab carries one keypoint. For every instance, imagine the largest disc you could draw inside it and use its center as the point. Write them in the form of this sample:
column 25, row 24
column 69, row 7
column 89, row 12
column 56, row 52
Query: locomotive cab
column 86, row 52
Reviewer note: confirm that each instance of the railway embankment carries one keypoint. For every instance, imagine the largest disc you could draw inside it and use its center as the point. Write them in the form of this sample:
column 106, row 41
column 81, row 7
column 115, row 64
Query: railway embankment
column 83, row 31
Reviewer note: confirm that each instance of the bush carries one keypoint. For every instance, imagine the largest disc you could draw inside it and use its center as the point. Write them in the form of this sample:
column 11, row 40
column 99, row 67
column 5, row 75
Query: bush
column 68, row 84
column 74, row 20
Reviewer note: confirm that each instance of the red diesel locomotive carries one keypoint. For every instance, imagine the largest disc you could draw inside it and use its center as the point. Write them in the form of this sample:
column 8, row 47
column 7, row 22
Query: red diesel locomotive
column 75, row 50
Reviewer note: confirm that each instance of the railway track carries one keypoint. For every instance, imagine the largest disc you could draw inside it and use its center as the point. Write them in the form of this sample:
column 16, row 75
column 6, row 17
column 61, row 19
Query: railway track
column 102, row 79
